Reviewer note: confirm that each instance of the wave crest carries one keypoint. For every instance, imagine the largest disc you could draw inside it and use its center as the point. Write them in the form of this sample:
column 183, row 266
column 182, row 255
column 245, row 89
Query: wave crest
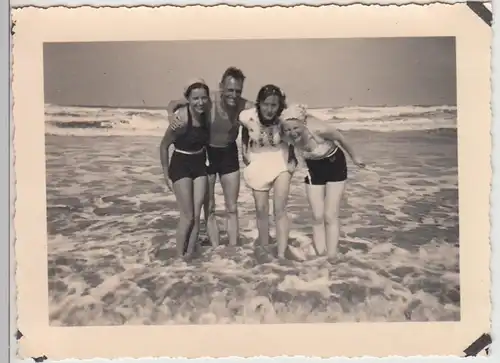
column 99, row 121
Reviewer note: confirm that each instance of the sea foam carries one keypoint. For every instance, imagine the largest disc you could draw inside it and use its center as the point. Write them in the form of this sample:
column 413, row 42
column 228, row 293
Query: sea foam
column 100, row 121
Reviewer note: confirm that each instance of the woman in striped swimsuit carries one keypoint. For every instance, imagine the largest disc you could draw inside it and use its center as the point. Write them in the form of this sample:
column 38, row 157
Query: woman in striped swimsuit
column 320, row 146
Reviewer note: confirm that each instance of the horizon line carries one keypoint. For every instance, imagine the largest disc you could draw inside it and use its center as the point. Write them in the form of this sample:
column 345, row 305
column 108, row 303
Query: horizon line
column 144, row 107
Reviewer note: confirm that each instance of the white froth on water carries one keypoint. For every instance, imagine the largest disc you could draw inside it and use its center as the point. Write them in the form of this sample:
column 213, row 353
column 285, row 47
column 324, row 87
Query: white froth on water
column 108, row 212
column 76, row 120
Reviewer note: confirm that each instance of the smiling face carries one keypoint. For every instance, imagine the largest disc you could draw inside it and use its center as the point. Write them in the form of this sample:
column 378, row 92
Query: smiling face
column 198, row 100
column 294, row 129
column 231, row 90
column 269, row 107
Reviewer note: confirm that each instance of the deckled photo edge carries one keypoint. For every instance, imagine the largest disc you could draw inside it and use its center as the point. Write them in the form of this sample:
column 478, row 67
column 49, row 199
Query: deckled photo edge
column 59, row 24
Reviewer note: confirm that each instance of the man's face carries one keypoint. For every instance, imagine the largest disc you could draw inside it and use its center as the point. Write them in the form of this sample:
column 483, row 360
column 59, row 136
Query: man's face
column 231, row 90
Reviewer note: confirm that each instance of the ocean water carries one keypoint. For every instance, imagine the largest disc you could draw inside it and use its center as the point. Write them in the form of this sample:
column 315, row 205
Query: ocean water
column 109, row 212
column 98, row 121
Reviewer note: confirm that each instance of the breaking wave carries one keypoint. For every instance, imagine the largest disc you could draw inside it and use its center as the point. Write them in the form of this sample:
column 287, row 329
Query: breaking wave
column 89, row 121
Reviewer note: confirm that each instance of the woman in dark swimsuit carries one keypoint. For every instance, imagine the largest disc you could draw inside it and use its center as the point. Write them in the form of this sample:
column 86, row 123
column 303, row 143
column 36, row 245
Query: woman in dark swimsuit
column 222, row 151
column 320, row 146
column 186, row 172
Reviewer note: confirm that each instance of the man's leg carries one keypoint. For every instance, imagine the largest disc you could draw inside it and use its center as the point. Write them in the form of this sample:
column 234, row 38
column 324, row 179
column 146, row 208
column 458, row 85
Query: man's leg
column 209, row 211
column 231, row 189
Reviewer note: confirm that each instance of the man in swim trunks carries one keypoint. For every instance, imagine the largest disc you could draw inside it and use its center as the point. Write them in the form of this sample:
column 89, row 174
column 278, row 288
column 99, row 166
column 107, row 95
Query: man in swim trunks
column 222, row 151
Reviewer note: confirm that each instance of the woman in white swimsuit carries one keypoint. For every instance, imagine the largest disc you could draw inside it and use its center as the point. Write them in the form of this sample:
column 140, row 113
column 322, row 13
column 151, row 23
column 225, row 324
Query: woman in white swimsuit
column 320, row 146
column 270, row 163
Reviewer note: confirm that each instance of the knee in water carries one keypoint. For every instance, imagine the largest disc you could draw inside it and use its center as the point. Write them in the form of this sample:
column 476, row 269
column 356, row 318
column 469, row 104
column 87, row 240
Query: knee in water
column 187, row 217
column 332, row 218
column 232, row 208
column 318, row 218
column 280, row 212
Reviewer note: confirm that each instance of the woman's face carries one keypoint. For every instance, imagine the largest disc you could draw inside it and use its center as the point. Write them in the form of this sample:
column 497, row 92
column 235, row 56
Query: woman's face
column 269, row 107
column 294, row 129
column 198, row 100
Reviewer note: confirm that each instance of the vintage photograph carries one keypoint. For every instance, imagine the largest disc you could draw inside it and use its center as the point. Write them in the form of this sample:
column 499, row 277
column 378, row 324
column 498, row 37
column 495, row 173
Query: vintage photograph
column 269, row 181
column 316, row 183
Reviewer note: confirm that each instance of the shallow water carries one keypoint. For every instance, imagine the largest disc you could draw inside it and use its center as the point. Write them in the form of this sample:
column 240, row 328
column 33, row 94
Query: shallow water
column 108, row 212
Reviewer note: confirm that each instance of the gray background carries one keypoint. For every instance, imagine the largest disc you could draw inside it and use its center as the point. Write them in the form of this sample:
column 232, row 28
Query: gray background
column 340, row 72
column 7, row 307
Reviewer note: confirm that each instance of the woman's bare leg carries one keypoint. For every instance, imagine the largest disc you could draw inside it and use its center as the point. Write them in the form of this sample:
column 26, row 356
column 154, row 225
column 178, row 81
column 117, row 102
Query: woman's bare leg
column 183, row 190
column 316, row 198
column 281, row 191
column 334, row 193
column 261, row 199
column 199, row 192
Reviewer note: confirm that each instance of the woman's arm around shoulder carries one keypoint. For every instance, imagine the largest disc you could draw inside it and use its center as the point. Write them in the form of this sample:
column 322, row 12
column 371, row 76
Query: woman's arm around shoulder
column 322, row 129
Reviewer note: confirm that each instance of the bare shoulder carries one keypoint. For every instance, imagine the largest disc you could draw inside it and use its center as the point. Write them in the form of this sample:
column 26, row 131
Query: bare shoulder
column 246, row 104
column 316, row 125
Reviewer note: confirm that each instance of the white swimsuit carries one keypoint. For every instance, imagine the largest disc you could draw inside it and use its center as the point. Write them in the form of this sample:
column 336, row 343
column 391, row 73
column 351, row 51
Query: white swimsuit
column 267, row 153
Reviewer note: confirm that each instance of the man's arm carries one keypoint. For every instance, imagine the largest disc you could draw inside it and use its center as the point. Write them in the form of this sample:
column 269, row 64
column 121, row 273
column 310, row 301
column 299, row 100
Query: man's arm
column 175, row 105
column 245, row 137
column 178, row 119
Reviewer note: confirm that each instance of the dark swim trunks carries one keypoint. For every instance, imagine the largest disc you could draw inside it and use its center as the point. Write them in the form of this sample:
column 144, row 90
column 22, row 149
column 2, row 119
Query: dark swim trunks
column 187, row 166
column 223, row 160
column 330, row 169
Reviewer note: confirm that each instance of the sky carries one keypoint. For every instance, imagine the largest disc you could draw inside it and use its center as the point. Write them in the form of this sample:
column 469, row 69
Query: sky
column 315, row 72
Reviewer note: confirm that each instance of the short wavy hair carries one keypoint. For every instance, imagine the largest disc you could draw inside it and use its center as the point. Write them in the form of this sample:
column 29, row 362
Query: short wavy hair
column 233, row 72
column 270, row 90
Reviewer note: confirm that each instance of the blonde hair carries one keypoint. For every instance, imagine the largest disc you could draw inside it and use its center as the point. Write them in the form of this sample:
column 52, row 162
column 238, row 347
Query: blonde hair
column 296, row 112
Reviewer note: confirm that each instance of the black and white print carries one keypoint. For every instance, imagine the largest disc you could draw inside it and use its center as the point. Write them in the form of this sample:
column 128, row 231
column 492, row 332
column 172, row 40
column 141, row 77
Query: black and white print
column 110, row 213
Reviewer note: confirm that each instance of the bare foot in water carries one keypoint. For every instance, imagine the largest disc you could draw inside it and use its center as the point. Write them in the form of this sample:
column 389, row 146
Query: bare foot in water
column 283, row 261
column 165, row 254
column 190, row 257
column 262, row 254
column 335, row 259
column 295, row 254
